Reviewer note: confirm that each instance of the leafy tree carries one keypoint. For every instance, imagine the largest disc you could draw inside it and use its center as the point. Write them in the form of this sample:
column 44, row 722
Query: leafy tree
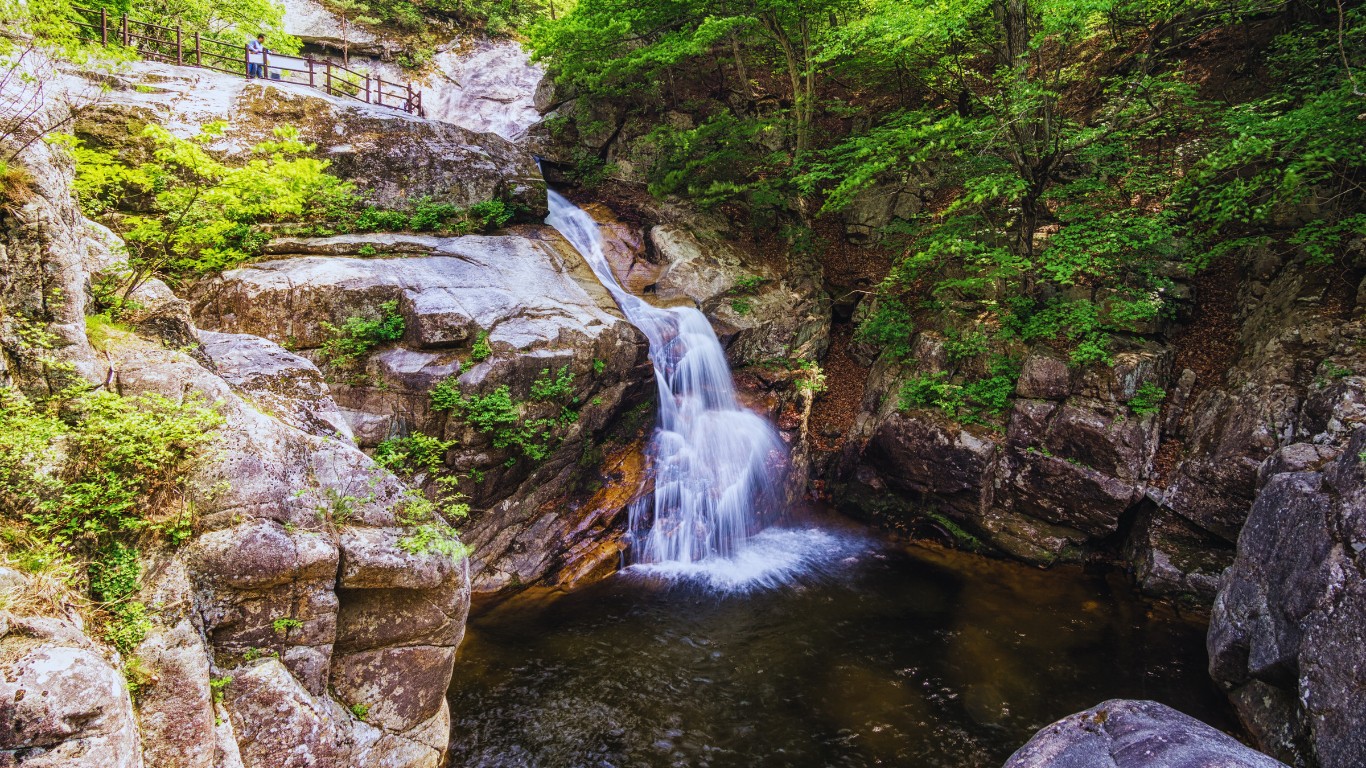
column 196, row 214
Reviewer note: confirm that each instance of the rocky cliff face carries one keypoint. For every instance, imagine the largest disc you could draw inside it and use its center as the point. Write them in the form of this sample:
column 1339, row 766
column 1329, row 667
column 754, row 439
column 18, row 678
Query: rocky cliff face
column 1072, row 468
column 393, row 156
column 543, row 316
column 328, row 644
column 1255, row 451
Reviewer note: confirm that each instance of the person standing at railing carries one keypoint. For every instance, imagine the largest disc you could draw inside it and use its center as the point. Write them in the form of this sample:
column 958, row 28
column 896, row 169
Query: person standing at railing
column 256, row 49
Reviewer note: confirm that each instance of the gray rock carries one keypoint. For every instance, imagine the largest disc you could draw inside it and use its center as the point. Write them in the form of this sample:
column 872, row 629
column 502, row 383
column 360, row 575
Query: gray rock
column 391, row 155
column 1286, row 634
column 1134, row 734
column 1044, row 377
column 284, row 385
column 61, row 702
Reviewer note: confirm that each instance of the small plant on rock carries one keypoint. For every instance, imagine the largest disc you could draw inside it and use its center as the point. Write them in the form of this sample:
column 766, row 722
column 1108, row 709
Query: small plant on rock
column 283, row 625
column 1147, row 399
column 353, row 340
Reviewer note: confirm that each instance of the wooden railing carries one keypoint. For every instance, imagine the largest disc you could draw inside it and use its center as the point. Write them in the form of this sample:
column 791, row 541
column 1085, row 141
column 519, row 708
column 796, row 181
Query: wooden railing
column 171, row 45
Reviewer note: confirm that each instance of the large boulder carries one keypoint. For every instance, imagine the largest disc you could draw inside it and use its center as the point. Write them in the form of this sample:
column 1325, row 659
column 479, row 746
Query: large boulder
column 540, row 311
column 1286, row 635
column 762, row 308
column 62, row 703
column 392, row 156
column 1134, row 734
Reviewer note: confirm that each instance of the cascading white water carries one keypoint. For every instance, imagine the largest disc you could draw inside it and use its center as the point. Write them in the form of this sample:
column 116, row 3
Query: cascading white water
column 717, row 465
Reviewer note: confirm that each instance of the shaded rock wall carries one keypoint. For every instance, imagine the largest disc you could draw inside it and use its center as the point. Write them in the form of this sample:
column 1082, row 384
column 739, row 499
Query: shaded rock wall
column 1071, row 468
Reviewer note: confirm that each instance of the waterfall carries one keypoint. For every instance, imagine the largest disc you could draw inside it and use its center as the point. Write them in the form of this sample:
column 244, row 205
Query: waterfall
column 717, row 465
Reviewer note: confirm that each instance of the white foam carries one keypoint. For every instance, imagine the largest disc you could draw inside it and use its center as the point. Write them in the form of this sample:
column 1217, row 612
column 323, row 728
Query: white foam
column 771, row 559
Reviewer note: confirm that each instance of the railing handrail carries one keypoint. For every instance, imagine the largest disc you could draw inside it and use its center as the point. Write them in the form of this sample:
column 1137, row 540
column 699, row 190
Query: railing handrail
column 360, row 85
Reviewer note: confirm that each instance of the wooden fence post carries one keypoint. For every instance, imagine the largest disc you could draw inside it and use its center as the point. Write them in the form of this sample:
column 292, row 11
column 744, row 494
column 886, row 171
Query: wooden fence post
column 104, row 27
column 379, row 92
column 179, row 50
column 265, row 64
column 367, row 89
column 198, row 58
column 328, row 78
column 246, row 59
column 311, row 84
column 125, row 29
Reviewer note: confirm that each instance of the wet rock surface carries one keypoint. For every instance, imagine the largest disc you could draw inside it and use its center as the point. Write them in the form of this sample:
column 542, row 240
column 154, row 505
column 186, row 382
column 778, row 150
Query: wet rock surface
column 1135, row 734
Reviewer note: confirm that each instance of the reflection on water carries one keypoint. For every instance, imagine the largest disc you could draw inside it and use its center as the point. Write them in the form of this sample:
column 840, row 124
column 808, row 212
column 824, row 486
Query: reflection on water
column 916, row 657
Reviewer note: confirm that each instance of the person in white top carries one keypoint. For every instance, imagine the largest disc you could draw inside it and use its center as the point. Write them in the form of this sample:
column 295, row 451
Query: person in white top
column 256, row 47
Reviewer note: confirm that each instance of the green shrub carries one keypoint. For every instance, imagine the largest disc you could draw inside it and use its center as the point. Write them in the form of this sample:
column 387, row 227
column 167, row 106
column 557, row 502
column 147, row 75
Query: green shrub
column 491, row 214
column 416, row 453
column 481, row 349
column 284, row 624
column 558, row 387
column 889, row 326
column 358, row 335
column 217, row 687
column 373, row 219
column 183, row 213
column 430, row 215
column 425, row 532
column 961, row 346
column 810, row 377
column 508, row 420
column 1147, row 399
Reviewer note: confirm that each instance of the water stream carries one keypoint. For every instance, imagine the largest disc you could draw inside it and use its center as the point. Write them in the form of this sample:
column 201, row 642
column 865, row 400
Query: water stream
column 886, row 655
column 717, row 466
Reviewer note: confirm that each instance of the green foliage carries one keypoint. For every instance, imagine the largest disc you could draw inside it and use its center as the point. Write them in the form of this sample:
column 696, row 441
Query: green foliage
column 559, row 386
column 127, row 626
column 1147, row 399
column 96, row 473
column 491, row 214
column 285, row 624
column 810, row 377
column 1300, row 145
column 218, row 686
column 515, row 424
column 338, row 507
column 599, row 366
column 961, row 346
column 359, row 710
column 741, row 305
column 427, row 215
column 970, row 402
column 481, row 350
column 426, row 533
column 350, row 343
column 413, row 454
column 183, row 213
column 889, row 326
column 446, row 395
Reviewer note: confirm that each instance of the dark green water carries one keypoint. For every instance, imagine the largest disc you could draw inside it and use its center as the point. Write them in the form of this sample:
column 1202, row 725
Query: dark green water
column 877, row 655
